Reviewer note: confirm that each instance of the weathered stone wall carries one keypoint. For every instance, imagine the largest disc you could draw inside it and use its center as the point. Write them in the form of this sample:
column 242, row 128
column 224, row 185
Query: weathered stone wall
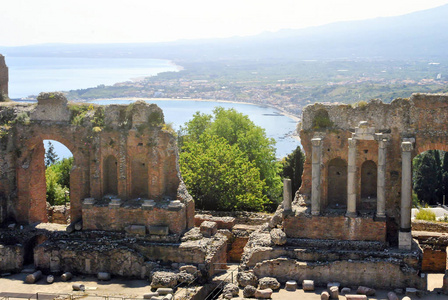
column 3, row 79
column 377, row 274
column 143, row 153
column 335, row 227
column 117, row 219
column 422, row 119
column 419, row 225
column 11, row 258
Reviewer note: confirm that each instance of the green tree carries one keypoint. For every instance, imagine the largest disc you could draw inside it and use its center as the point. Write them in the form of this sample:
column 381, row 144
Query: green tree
column 427, row 177
column 50, row 156
column 57, row 178
column 237, row 129
column 220, row 176
column 293, row 168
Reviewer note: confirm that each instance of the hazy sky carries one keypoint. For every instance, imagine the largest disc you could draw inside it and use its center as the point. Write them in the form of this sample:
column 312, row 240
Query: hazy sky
column 24, row 22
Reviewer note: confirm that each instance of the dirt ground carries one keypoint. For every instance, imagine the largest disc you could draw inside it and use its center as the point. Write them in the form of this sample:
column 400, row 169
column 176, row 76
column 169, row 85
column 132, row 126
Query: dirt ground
column 13, row 286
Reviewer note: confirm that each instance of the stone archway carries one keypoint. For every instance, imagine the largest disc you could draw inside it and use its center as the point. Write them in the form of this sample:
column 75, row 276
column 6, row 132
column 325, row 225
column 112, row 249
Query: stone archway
column 31, row 183
column 337, row 184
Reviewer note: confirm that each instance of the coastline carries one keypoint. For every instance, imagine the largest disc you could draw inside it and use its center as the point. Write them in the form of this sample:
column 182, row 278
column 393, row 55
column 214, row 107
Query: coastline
column 282, row 111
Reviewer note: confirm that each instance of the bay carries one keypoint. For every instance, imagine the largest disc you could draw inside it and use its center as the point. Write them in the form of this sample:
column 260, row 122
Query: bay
column 32, row 75
column 276, row 125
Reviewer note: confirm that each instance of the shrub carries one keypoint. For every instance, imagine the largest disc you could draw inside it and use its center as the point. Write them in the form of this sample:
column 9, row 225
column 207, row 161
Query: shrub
column 425, row 214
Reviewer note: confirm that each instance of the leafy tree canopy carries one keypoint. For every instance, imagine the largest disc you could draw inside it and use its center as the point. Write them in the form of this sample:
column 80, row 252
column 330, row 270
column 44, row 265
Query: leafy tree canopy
column 238, row 131
column 220, row 176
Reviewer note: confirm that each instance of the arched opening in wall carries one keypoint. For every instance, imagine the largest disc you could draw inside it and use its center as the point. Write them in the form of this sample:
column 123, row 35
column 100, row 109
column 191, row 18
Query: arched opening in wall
column 368, row 186
column 430, row 183
column 139, row 178
column 110, row 180
column 58, row 165
column 29, row 248
column 337, row 184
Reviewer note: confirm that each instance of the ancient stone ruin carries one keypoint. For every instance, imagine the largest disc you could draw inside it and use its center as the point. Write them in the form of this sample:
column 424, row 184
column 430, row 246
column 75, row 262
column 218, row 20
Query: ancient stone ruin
column 3, row 80
column 130, row 211
column 351, row 219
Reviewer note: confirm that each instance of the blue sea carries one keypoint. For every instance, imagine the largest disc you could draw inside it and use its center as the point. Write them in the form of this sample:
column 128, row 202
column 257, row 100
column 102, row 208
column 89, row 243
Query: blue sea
column 32, row 75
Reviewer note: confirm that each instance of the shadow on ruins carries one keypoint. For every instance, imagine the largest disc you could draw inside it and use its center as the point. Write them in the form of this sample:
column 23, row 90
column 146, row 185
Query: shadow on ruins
column 131, row 214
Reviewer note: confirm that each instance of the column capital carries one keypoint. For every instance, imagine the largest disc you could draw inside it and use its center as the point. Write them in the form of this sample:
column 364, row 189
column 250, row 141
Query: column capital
column 382, row 143
column 407, row 146
column 352, row 143
column 316, row 142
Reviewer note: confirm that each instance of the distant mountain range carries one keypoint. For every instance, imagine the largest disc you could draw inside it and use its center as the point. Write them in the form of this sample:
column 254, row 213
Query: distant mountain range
column 418, row 35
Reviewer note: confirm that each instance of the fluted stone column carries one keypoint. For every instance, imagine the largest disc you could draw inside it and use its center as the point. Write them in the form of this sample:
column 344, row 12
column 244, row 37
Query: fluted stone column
column 381, row 179
column 351, row 179
column 315, row 184
column 287, row 194
column 404, row 236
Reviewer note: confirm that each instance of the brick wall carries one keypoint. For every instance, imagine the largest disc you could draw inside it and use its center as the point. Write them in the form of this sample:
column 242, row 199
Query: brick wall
column 335, row 228
column 117, row 219
column 434, row 261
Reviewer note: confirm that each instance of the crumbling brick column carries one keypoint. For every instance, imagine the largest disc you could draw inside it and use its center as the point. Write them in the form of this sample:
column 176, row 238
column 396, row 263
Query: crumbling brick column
column 405, row 237
column 381, row 179
column 351, row 178
column 315, row 184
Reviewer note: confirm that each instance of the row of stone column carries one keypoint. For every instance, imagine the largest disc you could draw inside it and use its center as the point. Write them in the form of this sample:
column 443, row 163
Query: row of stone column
column 405, row 237
column 351, row 177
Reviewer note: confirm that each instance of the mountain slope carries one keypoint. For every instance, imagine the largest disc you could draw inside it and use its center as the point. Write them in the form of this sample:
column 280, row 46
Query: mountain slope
column 419, row 35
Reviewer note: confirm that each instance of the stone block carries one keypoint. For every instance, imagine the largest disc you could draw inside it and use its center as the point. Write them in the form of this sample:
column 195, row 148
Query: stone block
column 208, row 228
column 291, row 285
column 355, row 297
column 136, row 229
column 33, row 278
column 363, row 290
column 175, row 205
column 88, row 202
column 164, row 291
column 162, row 280
column 78, row 287
column 404, row 241
column 392, row 296
column 263, row 294
column 189, row 269
column 249, row 291
column 66, row 276
column 158, row 230
column 148, row 204
column 104, row 276
column 115, row 203
column 246, row 278
column 150, row 295
column 268, row 282
column 330, row 284
column 308, row 285
column 278, row 237
column 334, row 292
column 50, row 279
column 232, row 289
column 345, row 291
column 324, row 295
